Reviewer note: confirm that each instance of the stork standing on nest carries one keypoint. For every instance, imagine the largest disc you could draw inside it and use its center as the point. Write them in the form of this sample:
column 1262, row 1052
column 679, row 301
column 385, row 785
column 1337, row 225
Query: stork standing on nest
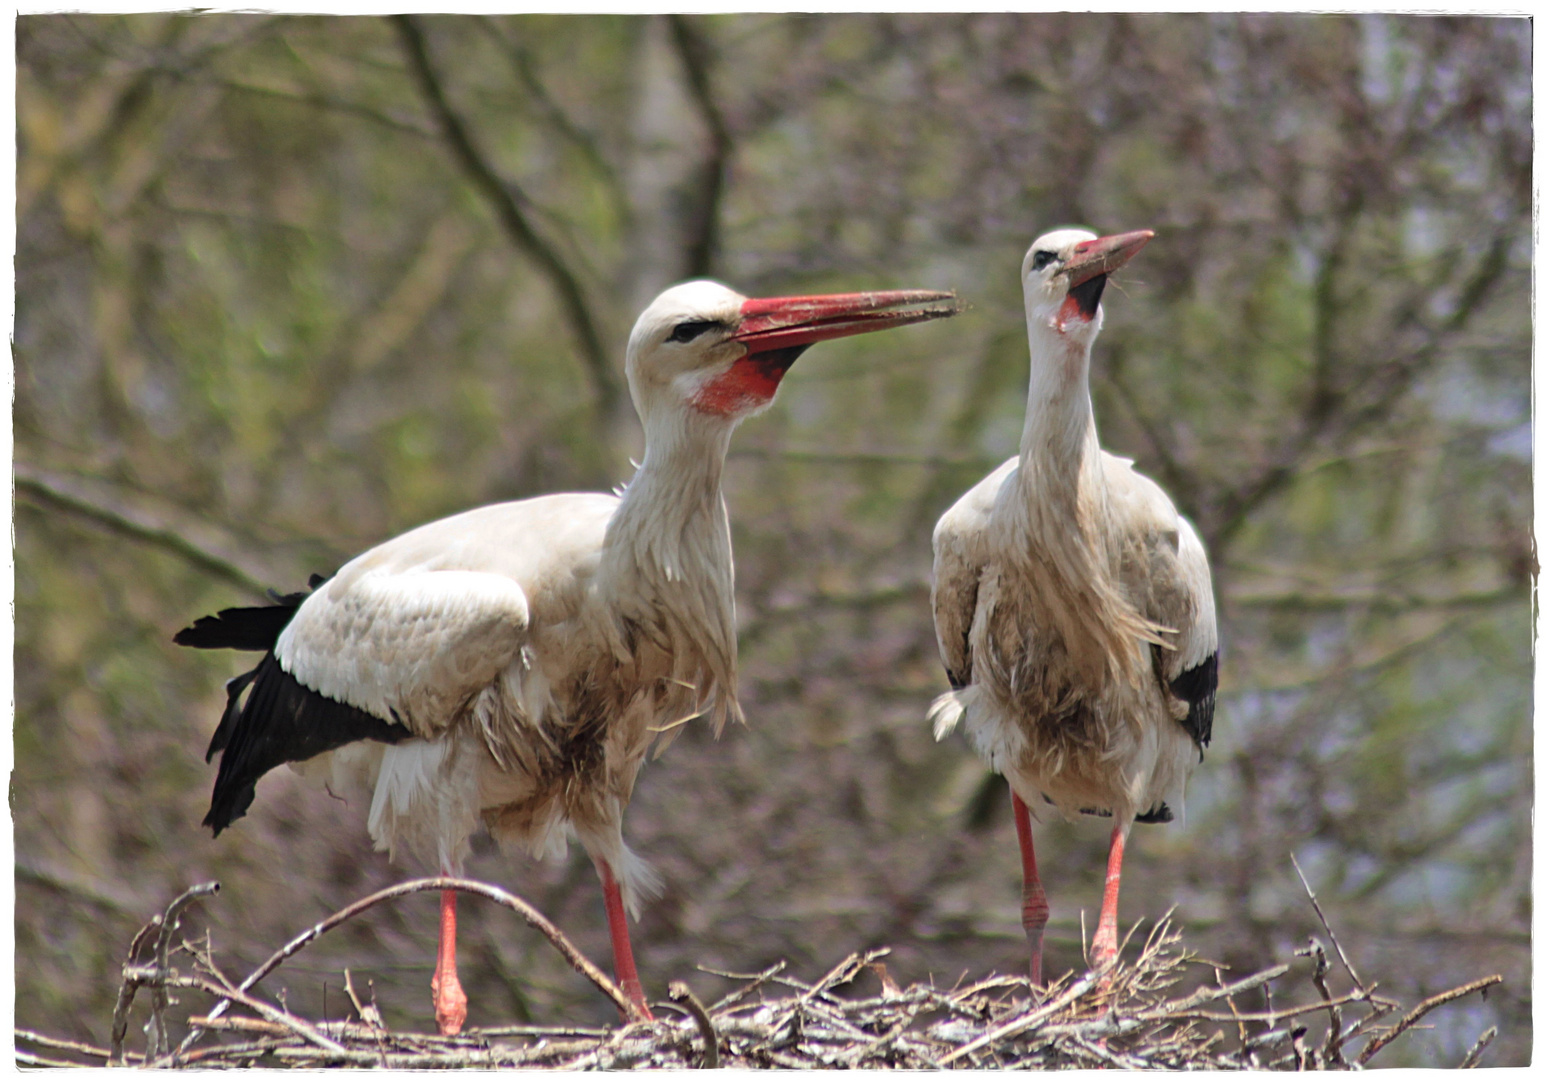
column 512, row 664
column 1072, row 603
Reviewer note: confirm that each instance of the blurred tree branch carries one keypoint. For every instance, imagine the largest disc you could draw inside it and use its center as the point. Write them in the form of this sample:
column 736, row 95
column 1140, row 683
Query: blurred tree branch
column 702, row 229
column 878, row 457
column 1357, row 659
column 1377, row 600
column 506, row 199
column 137, row 522
column 327, row 103
column 556, row 117
column 108, row 894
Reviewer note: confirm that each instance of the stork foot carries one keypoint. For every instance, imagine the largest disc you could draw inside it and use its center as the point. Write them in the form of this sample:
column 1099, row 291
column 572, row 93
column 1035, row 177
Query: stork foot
column 450, row 1003
column 1033, row 920
column 1103, row 948
column 1034, row 908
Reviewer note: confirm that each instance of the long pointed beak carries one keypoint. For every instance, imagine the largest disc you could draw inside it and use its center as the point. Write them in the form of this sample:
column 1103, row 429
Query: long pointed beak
column 1104, row 255
column 791, row 321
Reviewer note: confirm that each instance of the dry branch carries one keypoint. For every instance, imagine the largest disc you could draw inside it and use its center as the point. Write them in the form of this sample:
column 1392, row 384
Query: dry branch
column 532, row 916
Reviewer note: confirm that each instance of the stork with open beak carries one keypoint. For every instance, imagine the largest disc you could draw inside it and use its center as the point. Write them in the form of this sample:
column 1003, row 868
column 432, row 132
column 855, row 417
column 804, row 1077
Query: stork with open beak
column 512, row 664
column 1073, row 604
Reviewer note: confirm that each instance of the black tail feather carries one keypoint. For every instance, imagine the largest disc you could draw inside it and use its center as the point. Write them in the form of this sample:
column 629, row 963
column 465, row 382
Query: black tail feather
column 254, row 629
column 1157, row 815
column 282, row 720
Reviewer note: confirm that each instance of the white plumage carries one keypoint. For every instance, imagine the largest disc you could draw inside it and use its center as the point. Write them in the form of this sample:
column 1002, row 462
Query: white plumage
column 1073, row 604
column 511, row 665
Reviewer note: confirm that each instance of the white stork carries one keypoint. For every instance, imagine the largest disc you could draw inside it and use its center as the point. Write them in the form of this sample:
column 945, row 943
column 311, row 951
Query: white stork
column 1072, row 603
column 513, row 663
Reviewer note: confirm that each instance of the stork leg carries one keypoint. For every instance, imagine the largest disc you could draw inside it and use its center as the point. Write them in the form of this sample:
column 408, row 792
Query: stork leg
column 1104, row 946
column 450, row 1001
column 622, row 949
column 1034, row 909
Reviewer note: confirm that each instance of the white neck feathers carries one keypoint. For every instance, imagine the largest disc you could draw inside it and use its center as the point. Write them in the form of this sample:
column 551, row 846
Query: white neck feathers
column 1058, row 441
column 668, row 550
column 1060, row 517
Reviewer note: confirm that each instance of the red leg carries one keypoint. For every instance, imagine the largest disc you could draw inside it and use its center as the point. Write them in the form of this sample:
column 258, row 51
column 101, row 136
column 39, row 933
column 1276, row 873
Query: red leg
column 450, row 1001
column 1034, row 909
column 1104, row 947
column 622, row 950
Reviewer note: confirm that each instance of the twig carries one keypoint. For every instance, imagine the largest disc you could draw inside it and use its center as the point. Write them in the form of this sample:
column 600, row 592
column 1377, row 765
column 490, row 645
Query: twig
column 684, row 996
column 24, row 1058
column 135, row 976
column 1472, row 1055
column 158, row 1038
column 1014, row 1027
column 1271, row 1018
column 368, row 1013
column 532, row 916
column 757, row 980
column 84, row 1049
column 1352, row 974
column 852, row 965
column 235, row 1053
column 296, row 1025
column 238, row 1023
column 853, row 1058
column 1375, row 1044
column 1199, row 997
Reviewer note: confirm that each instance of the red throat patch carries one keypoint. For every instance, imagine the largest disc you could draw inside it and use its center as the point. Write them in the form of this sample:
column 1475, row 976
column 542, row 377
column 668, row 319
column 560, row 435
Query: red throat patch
column 1069, row 312
column 749, row 384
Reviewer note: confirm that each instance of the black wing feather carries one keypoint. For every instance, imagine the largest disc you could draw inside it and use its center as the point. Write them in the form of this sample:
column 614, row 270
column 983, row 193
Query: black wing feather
column 228, row 719
column 282, row 720
column 1197, row 687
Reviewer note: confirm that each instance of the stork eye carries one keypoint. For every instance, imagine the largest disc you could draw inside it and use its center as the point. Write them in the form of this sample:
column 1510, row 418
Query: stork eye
column 687, row 331
column 1042, row 258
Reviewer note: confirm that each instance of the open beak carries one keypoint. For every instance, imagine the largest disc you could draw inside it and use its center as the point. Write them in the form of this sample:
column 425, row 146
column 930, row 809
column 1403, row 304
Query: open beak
column 788, row 322
column 1104, row 255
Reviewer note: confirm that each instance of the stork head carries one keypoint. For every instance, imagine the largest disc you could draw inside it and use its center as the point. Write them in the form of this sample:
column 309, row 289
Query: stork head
column 1064, row 274
column 706, row 349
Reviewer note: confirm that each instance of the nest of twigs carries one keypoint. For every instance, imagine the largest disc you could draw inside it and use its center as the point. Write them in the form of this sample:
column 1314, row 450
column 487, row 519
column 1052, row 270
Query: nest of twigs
column 1135, row 1015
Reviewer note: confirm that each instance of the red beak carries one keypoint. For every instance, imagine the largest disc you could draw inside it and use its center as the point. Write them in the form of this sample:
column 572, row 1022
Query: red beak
column 786, row 322
column 1104, row 255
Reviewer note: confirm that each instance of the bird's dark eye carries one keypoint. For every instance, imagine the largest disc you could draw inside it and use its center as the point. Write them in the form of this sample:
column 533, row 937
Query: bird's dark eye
column 1042, row 258
column 687, row 331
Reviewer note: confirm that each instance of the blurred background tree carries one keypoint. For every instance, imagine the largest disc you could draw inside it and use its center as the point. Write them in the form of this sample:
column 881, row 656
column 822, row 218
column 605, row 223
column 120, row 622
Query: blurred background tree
column 289, row 285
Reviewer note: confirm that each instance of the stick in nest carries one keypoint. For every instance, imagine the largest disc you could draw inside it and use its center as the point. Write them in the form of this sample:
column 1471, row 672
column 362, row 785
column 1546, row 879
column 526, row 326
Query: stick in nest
column 680, row 993
column 532, row 916
column 135, row 976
